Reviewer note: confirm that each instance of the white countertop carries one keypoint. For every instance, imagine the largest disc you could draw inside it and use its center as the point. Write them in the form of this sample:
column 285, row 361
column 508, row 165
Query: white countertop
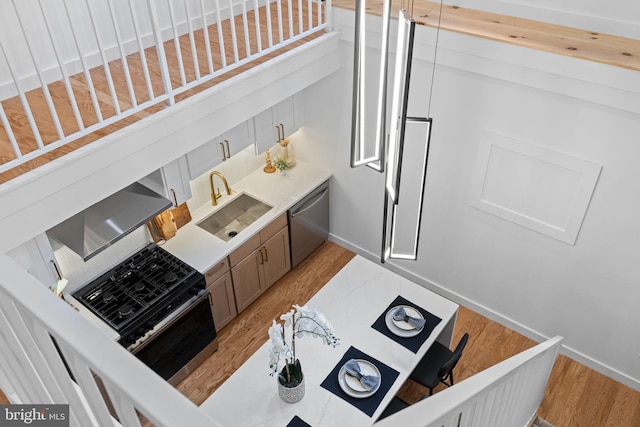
column 202, row 250
column 351, row 301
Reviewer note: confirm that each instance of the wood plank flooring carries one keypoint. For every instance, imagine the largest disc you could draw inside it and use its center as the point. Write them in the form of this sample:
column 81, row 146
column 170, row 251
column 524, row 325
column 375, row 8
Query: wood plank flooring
column 107, row 100
column 576, row 396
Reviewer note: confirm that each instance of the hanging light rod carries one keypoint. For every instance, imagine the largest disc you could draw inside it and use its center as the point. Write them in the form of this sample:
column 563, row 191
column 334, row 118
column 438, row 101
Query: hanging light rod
column 375, row 158
column 401, row 222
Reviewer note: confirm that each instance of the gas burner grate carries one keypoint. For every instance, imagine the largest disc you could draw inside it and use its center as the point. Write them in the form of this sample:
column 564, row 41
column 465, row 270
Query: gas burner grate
column 132, row 287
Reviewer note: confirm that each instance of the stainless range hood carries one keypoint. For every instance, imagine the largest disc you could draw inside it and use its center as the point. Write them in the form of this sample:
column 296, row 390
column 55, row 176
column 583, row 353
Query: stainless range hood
column 104, row 223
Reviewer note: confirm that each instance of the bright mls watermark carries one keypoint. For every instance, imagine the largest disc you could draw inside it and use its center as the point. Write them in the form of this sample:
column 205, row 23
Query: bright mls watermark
column 34, row 415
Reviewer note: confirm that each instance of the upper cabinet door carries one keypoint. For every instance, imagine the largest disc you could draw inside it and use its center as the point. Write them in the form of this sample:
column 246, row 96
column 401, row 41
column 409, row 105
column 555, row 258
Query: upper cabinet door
column 221, row 148
column 286, row 115
column 204, row 158
column 172, row 181
column 237, row 139
column 175, row 176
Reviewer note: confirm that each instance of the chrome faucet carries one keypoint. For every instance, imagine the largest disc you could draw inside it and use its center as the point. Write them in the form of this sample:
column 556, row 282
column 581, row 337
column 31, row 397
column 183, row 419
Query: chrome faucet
column 215, row 195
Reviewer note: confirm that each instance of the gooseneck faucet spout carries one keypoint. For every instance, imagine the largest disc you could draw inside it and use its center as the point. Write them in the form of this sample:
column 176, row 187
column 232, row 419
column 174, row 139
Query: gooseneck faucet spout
column 215, row 195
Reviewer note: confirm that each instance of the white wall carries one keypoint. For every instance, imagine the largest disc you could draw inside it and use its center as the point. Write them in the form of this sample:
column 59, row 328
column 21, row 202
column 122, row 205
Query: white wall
column 587, row 291
column 620, row 17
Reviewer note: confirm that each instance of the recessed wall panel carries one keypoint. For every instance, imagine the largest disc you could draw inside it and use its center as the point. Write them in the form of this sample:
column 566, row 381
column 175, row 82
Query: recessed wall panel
column 532, row 186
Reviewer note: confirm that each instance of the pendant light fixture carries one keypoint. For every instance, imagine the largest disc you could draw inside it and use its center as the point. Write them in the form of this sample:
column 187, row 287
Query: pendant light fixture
column 401, row 222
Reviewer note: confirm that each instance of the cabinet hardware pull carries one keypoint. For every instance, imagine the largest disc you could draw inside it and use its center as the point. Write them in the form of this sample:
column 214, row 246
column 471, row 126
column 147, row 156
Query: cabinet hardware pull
column 58, row 275
column 175, row 199
column 279, row 137
column 261, row 256
column 266, row 254
column 228, row 151
column 224, row 155
column 282, row 127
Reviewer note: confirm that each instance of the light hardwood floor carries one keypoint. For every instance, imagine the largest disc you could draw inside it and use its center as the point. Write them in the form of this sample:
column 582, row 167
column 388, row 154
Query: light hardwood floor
column 575, row 397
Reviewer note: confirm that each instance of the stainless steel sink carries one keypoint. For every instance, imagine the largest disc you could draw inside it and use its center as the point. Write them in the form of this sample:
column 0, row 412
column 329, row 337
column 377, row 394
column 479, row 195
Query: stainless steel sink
column 234, row 217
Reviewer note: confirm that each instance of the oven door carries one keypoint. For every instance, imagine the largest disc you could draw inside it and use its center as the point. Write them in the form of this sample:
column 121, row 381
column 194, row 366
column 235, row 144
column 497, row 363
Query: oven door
column 183, row 344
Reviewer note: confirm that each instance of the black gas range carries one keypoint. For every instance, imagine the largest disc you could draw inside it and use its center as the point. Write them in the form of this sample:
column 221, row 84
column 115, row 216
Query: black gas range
column 161, row 308
column 139, row 293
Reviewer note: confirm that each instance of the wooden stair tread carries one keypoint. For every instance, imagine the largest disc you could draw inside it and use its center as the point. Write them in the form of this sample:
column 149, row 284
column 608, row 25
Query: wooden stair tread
column 578, row 43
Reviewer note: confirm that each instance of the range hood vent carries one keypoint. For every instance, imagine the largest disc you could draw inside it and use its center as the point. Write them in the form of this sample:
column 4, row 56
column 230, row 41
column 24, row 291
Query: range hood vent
column 104, row 223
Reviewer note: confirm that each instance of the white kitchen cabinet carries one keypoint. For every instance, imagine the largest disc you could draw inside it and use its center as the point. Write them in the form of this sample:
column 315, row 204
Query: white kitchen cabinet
column 175, row 177
column 288, row 113
column 172, row 181
column 203, row 158
column 210, row 154
column 36, row 256
column 260, row 262
column 237, row 139
column 220, row 286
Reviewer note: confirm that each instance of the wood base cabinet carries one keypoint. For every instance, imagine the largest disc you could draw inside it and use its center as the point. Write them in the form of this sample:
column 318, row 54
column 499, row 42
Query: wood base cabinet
column 260, row 262
column 220, row 285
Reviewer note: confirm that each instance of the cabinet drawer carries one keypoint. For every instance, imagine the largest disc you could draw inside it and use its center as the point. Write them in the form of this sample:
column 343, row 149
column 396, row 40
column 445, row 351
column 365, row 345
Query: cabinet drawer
column 215, row 272
column 244, row 250
column 273, row 227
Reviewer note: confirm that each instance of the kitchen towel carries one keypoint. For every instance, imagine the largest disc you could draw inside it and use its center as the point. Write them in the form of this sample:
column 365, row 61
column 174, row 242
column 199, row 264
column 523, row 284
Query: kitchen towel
column 411, row 343
column 296, row 421
column 369, row 404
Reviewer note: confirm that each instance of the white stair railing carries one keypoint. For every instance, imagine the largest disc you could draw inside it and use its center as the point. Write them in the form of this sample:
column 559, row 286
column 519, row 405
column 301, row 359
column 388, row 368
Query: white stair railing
column 505, row 395
column 38, row 330
column 71, row 67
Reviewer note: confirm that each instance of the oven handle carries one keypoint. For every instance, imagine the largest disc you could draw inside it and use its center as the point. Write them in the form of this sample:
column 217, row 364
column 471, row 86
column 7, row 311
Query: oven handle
column 180, row 312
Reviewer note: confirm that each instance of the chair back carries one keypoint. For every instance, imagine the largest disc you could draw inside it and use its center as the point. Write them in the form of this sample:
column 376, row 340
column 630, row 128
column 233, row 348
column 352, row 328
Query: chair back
column 445, row 371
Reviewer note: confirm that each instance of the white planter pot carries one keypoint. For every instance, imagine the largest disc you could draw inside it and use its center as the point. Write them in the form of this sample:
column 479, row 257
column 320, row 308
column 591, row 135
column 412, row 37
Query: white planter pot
column 291, row 394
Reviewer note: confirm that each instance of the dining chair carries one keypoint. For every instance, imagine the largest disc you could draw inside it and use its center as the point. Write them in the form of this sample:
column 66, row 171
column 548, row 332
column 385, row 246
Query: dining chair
column 437, row 365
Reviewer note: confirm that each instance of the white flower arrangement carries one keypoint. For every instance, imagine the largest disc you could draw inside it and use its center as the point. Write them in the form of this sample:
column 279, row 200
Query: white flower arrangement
column 300, row 322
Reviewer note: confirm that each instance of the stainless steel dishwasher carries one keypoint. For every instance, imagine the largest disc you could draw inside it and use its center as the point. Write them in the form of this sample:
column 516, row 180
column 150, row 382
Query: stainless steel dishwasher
column 309, row 223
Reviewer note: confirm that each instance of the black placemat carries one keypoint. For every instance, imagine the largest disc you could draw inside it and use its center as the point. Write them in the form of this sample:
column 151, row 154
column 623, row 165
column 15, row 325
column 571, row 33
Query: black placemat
column 296, row 421
column 412, row 343
column 369, row 404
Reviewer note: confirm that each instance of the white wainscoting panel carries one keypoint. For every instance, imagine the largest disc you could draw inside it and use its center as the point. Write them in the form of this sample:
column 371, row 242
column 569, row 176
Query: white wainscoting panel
column 532, row 186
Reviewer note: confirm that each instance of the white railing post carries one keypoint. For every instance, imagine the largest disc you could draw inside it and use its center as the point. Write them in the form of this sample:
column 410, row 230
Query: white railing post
column 85, row 66
column 192, row 41
column 223, row 55
column 43, row 82
column 23, row 100
column 103, row 57
column 327, row 14
column 123, row 55
column 234, row 37
column 60, row 63
column 245, row 25
column 162, row 58
column 256, row 14
column 205, row 35
column 143, row 55
column 8, row 130
column 176, row 42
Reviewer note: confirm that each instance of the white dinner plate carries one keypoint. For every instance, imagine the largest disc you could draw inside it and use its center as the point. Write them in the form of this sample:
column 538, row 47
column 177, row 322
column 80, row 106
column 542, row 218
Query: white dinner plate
column 352, row 386
column 400, row 327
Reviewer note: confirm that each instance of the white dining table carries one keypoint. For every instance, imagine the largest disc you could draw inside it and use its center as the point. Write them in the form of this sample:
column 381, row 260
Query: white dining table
column 352, row 301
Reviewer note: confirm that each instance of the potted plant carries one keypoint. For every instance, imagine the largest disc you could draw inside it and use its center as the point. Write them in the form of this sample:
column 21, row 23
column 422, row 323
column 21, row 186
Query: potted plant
column 298, row 323
column 281, row 164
